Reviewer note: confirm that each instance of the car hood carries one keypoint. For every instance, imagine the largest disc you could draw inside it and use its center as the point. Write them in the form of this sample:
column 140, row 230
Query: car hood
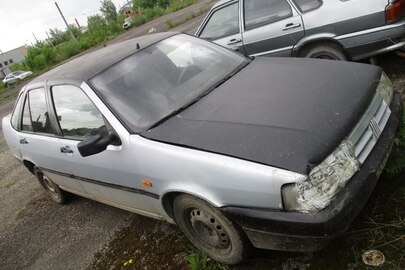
column 285, row 112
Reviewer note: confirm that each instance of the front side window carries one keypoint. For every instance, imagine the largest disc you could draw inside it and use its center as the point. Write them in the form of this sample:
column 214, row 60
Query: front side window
column 35, row 114
column 155, row 82
column 78, row 117
column 223, row 22
column 262, row 12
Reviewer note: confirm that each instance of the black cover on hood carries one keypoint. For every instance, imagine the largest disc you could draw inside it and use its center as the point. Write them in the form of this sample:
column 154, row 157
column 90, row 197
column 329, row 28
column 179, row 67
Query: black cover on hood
column 285, row 112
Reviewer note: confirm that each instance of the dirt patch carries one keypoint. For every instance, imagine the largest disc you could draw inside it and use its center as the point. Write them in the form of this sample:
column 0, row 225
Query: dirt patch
column 144, row 244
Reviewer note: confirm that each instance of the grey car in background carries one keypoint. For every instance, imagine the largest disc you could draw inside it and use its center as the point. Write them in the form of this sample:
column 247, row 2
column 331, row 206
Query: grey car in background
column 234, row 150
column 329, row 29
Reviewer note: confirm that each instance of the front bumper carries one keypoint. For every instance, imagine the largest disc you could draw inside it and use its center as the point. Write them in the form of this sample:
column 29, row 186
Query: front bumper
column 295, row 231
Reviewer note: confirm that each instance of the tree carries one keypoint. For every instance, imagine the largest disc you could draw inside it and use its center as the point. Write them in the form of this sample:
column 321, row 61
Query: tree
column 109, row 10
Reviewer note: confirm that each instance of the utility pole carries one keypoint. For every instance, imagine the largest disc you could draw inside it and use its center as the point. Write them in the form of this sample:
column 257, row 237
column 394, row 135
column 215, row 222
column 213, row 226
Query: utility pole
column 63, row 17
column 35, row 37
column 49, row 39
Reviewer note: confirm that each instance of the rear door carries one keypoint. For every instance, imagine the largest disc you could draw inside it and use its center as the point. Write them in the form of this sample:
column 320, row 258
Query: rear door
column 222, row 26
column 38, row 140
column 270, row 27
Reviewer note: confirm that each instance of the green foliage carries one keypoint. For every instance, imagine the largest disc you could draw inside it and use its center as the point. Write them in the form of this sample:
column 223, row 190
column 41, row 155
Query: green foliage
column 199, row 261
column 109, row 10
column 69, row 49
column 18, row 66
column 96, row 28
column 144, row 4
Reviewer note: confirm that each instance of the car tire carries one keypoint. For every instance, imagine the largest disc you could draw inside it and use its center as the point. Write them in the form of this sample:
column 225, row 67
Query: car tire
column 53, row 190
column 210, row 230
column 328, row 51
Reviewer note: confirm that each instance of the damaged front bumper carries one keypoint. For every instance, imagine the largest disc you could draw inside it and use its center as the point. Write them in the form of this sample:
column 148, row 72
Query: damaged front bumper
column 306, row 232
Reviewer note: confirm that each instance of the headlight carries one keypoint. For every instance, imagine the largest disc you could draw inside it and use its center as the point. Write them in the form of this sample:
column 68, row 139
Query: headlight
column 385, row 88
column 323, row 183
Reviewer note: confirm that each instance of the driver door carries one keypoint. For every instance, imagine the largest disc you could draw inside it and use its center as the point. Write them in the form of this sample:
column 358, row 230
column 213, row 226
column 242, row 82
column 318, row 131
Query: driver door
column 104, row 176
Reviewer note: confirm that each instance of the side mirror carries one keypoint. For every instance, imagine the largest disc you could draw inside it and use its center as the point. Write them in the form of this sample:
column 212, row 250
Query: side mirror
column 96, row 144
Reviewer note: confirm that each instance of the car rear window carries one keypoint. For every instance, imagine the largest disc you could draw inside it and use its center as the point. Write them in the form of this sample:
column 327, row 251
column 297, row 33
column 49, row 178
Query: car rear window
column 307, row 5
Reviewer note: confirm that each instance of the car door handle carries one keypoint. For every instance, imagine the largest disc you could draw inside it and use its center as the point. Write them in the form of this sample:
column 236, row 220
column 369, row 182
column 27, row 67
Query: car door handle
column 234, row 41
column 289, row 26
column 66, row 150
column 24, row 141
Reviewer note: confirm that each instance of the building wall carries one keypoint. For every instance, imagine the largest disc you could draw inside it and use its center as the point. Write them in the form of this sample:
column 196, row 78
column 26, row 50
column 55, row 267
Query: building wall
column 8, row 58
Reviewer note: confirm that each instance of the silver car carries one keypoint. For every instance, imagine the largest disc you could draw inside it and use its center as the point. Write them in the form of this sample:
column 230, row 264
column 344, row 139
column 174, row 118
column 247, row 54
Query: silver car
column 236, row 151
column 329, row 29
column 15, row 76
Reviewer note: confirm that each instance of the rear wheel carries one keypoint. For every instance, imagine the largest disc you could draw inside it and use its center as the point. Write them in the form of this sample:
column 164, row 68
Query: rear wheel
column 51, row 188
column 210, row 230
column 328, row 51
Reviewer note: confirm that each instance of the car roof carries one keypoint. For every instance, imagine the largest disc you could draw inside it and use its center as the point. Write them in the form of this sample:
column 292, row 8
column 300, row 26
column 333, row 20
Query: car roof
column 88, row 65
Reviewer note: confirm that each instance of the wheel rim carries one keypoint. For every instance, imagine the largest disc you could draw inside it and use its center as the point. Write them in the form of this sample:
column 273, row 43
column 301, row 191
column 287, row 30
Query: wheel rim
column 325, row 56
column 49, row 187
column 208, row 230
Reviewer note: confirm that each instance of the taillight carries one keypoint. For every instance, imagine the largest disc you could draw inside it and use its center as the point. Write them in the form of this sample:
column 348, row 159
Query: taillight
column 395, row 10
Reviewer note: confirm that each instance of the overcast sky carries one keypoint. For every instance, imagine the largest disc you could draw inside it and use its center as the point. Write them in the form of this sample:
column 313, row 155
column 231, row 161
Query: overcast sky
column 20, row 18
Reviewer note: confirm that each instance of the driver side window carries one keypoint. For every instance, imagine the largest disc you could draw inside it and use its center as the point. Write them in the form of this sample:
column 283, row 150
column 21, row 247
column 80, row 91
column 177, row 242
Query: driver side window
column 223, row 22
column 78, row 117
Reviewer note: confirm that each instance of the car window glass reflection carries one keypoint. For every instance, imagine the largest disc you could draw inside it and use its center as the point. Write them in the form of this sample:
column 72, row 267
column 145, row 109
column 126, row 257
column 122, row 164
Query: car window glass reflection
column 224, row 22
column 77, row 115
column 260, row 12
column 26, row 120
column 39, row 111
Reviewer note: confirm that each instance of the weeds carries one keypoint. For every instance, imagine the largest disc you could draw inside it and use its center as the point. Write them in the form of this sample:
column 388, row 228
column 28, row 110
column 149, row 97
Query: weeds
column 199, row 261
column 396, row 162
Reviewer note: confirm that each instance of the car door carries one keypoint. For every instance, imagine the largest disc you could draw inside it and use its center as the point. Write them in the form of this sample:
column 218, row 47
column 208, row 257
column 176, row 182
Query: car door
column 105, row 176
column 270, row 27
column 39, row 143
column 222, row 26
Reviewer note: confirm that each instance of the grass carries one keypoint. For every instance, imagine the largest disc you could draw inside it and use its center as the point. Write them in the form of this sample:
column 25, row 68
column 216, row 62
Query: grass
column 170, row 24
column 155, row 12
column 199, row 261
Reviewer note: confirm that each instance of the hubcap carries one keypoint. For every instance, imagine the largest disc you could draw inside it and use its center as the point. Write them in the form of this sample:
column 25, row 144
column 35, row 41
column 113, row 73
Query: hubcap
column 50, row 187
column 208, row 229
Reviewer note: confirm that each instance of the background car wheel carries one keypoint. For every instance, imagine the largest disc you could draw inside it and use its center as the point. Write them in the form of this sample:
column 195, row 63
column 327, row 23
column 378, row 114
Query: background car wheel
column 51, row 188
column 328, row 51
column 210, row 231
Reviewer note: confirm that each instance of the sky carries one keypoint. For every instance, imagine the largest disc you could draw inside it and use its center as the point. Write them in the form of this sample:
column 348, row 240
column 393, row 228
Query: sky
column 20, row 19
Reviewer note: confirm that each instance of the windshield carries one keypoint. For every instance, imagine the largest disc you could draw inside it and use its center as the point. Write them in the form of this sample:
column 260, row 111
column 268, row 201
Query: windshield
column 153, row 83
column 16, row 73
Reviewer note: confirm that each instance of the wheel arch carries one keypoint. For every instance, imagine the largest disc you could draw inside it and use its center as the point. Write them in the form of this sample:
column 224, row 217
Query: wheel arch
column 30, row 166
column 169, row 197
column 306, row 43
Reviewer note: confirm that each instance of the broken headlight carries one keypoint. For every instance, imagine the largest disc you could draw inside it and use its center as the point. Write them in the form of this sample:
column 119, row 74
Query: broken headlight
column 385, row 88
column 324, row 181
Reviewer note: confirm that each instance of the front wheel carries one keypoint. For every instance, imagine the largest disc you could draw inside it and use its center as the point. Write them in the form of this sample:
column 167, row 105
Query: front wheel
column 210, row 230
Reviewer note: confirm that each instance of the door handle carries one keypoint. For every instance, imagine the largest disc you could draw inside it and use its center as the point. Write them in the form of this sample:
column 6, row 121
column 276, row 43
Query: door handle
column 234, row 41
column 66, row 150
column 289, row 26
column 24, row 141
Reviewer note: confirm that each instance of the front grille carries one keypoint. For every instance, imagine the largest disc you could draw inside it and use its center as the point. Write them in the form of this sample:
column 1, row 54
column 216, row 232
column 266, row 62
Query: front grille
column 370, row 127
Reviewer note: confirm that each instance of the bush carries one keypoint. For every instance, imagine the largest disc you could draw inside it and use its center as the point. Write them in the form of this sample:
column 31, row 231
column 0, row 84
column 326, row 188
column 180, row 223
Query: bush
column 69, row 49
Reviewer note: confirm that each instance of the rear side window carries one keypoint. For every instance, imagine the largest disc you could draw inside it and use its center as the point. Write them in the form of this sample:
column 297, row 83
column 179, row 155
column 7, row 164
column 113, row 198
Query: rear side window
column 78, row 117
column 223, row 22
column 16, row 113
column 307, row 5
column 262, row 12
column 35, row 115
